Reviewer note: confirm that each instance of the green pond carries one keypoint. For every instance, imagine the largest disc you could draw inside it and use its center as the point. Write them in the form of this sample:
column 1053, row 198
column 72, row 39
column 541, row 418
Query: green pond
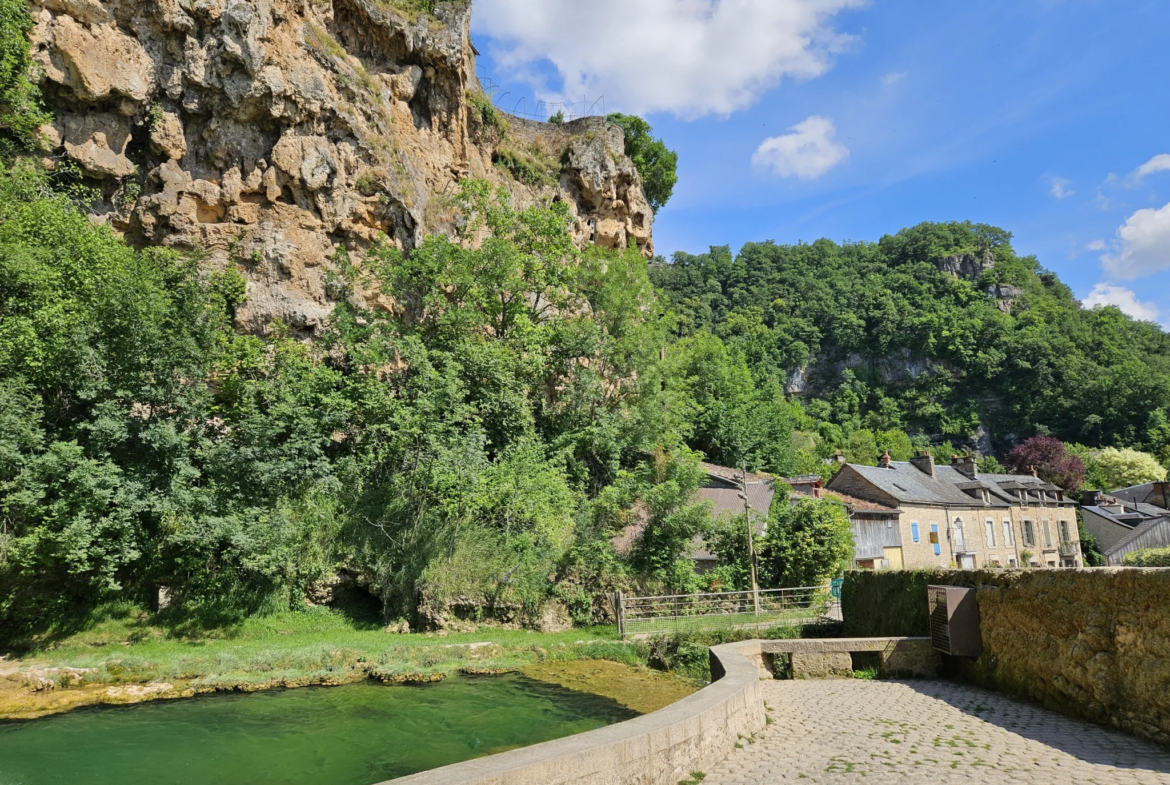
column 352, row 735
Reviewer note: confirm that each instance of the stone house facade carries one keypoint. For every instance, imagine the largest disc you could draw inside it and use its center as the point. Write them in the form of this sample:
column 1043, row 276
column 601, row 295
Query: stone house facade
column 919, row 516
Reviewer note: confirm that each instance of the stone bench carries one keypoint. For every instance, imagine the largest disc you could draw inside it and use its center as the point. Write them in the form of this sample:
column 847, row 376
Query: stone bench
column 819, row 658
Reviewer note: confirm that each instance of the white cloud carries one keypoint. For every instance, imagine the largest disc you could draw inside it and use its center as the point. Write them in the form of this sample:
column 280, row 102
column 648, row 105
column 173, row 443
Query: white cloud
column 1159, row 163
column 894, row 77
column 1060, row 188
column 1096, row 245
column 1125, row 299
column 808, row 152
column 689, row 57
column 1144, row 245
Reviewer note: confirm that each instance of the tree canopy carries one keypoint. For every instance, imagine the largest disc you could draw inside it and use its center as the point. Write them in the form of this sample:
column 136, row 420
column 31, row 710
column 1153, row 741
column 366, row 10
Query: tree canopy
column 876, row 336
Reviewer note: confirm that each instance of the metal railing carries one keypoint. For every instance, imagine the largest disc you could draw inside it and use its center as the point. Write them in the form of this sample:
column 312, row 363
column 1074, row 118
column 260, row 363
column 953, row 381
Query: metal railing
column 541, row 111
column 692, row 612
column 1069, row 549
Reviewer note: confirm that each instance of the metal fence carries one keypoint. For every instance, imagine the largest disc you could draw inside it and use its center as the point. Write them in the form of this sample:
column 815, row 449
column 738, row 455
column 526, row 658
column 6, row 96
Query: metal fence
column 693, row 612
column 541, row 111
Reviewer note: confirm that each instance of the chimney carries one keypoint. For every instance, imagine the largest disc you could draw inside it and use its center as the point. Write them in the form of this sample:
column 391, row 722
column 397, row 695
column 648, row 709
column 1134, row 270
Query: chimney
column 924, row 462
column 966, row 466
column 884, row 461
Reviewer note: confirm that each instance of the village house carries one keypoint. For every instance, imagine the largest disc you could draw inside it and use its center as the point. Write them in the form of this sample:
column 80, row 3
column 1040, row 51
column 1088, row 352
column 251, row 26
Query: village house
column 1127, row 520
column 914, row 514
column 723, row 489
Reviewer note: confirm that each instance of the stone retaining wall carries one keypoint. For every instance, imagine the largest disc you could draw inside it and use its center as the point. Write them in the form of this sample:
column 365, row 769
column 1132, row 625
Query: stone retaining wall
column 897, row 658
column 1090, row 643
column 656, row 749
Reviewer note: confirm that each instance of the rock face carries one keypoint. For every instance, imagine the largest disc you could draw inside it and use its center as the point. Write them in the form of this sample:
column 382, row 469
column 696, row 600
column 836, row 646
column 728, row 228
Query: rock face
column 272, row 132
column 968, row 266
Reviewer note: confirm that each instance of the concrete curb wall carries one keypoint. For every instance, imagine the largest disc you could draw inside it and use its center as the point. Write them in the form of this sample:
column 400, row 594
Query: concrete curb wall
column 660, row 748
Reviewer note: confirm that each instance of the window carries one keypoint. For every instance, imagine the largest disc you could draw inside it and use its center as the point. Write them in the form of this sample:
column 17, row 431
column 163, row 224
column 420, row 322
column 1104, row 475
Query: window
column 1029, row 534
column 1012, row 563
column 990, row 533
column 1047, row 535
column 1064, row 537
column 937, row 546
column 914, row 531
column 960, row 540
column 1008, row 540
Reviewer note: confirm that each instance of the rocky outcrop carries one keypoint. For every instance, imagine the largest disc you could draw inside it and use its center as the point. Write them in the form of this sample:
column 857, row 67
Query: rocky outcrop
column 1004, row 294
column 823, row 373
column 968, row 266
column 271, row 133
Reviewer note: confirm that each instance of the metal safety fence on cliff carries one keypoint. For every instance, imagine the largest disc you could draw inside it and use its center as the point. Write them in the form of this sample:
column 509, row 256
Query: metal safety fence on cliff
column 541, row 111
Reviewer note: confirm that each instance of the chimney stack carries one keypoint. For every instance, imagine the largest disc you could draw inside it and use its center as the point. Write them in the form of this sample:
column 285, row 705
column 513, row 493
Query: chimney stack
column 884, row 461
column 967, row 466
column 924, row 462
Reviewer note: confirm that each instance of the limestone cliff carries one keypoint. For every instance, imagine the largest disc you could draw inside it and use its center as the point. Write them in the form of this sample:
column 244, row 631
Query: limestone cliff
column 270, row 132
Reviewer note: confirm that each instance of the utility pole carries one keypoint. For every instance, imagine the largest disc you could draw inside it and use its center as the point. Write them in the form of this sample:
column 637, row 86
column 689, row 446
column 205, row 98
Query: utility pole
column 747, row 515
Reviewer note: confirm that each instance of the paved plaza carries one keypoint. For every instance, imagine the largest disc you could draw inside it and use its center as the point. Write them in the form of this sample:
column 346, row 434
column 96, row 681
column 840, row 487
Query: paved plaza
column 857, row 731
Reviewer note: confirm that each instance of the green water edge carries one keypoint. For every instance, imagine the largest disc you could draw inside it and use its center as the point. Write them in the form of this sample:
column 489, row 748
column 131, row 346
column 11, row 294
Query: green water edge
column 356, row 734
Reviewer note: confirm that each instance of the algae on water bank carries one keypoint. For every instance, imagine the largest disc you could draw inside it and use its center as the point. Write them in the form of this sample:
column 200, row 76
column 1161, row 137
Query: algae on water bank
column 638, row 689
column 350, row 735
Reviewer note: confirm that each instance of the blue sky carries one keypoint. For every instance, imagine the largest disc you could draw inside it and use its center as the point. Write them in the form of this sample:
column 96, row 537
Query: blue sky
column 848, row 119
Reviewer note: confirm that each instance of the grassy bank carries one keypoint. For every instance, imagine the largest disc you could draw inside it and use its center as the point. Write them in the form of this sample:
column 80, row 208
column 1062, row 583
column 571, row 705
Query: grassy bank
column 126, row 655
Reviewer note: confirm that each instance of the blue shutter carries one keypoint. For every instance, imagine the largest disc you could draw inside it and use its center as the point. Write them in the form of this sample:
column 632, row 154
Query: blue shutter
column 914, row 531
column 937, row 546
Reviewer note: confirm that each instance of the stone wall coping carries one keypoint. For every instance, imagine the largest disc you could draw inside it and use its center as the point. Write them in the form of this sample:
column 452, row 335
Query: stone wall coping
column 659, row 748
column 826, row 645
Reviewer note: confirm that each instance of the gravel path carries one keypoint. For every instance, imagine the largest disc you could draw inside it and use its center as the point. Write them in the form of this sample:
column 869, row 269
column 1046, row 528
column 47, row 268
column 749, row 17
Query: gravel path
column 856, row 731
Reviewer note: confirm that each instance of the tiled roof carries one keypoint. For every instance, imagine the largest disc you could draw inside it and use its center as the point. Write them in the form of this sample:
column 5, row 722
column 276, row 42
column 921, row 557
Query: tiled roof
column 860, row 505
column 906, row 483
column 728, row 473
column 1137, row 532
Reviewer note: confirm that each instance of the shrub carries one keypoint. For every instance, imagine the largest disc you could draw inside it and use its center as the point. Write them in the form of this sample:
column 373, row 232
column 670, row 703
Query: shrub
column 806, row 544
column 1148, row 557
column 489, row 116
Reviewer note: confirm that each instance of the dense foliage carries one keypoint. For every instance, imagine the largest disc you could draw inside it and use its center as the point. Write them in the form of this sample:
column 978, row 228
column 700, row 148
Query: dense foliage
column 878, row 341
column 1148, row 557
column 1122, row 468
column 806, row 543
column 472, row 448
column 657, row 164
column 1050, row 460
column 20, row 109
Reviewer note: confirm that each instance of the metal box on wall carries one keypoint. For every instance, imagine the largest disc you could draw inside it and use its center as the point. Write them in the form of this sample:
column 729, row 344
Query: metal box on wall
column 954, row 620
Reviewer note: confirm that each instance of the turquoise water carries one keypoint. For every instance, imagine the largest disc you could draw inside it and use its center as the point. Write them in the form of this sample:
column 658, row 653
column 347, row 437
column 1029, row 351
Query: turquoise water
column 353, row 735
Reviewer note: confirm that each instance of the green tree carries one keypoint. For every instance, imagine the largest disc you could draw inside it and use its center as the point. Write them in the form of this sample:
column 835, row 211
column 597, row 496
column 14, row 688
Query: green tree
column 1122, row 468
column 657, row 165
column 673, row 519
column 806, row 544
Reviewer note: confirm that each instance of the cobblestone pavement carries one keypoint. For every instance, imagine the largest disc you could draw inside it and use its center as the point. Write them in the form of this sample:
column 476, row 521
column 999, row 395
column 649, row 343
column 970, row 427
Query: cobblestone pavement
column 933, row 732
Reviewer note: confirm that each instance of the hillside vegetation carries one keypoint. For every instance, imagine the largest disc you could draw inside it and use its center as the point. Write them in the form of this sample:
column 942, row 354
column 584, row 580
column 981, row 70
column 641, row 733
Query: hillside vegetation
column 887, row 342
